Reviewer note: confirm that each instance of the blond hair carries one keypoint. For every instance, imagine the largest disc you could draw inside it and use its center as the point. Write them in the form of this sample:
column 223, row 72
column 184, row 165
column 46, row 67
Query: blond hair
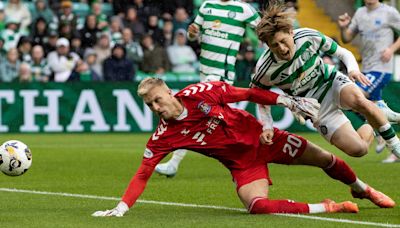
column 274, row 20
column 149, row 83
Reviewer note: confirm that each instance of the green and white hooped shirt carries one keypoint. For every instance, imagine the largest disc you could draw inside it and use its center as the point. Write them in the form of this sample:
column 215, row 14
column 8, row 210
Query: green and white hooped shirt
column 222, row 28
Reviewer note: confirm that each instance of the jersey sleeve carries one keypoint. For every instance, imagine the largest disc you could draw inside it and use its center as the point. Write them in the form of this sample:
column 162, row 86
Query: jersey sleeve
column 261, row 69
column 394, row 20
column 221, row 93
column 355, row 22
column 199, row 19
column 153, row 154
column 325, row 43
column 253, row 18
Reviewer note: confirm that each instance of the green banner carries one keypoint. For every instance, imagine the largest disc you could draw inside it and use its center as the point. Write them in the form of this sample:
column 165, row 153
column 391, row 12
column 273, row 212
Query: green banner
column 104, row 107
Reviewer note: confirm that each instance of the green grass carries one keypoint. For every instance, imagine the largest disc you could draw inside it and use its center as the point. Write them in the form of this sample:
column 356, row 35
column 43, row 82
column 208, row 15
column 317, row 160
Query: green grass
column 103, row 164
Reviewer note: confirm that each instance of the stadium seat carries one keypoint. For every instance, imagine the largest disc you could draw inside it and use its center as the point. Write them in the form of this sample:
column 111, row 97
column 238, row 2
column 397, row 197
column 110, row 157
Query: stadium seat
column 80, row 9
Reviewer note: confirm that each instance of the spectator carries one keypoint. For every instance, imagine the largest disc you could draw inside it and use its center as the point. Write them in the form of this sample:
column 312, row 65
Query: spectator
column 3, row 52
column 62, row 61
column 89, row 32
column 51, row 42
column 168, row 35
column 132, row 22
column 67, row 16
column 116, row 30
column 170, row 6
column 18, row 11
column 90, row 58
column 11, row 34
column 181, row 19
column 182, row 56
column 39, row 34
column 102, row 49
column 24, row 73
column 134, row 51
column 246, row 62
column 101, row 18
column 24, row 47
column 41, row 10
column 153, row 29
column 120, row 6
column 10, row 67
column 118, row 67
column 76, row 45
column 155, row 58
column 143, row 11
column 83, row 73
column 65, row 30
column 39, row 67
column 2, row 17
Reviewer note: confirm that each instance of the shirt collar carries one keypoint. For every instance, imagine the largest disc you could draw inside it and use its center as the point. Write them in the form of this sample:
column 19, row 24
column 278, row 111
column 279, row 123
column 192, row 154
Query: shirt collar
column 183, row 115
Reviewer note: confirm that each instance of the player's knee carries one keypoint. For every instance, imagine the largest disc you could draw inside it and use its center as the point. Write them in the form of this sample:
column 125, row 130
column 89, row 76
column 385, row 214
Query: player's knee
column 260, row 205
column 357, row 150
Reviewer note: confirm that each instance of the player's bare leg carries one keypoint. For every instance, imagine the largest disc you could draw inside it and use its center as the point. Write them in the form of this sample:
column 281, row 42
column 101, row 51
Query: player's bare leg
column 352, row 97
column 337, row 169
column 352, row 142
column 392, row 117
column 255, row 197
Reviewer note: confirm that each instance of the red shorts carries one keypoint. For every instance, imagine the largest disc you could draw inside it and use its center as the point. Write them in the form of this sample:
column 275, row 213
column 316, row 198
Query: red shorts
column 284, row 150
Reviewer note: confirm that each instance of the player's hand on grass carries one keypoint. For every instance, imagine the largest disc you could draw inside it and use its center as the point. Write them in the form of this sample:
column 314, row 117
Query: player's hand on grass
column 357, row 76
column 301, row 107
column 266, row 136
column 118, row 211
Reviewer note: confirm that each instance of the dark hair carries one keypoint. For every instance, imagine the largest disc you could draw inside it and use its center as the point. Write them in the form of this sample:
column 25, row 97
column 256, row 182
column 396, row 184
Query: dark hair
column 22, row 40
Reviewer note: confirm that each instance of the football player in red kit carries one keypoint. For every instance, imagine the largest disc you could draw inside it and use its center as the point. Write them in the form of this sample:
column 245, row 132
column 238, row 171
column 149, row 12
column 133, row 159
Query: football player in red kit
column 198, row 118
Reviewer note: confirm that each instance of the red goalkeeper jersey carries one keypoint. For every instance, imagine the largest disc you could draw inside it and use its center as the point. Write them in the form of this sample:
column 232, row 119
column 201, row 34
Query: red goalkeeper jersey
column 208, row 125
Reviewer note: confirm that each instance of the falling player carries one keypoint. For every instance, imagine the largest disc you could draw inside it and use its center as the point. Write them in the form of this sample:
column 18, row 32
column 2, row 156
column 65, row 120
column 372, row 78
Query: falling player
column 199, row 118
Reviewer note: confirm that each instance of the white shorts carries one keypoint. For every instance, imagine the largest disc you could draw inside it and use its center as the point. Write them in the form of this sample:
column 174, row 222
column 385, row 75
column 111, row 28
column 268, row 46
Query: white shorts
column 213, row 78
column 330, row 116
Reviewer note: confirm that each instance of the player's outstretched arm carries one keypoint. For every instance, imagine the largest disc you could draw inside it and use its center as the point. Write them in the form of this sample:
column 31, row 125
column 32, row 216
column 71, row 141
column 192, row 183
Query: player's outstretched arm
column 132, row 193
column 300, row 106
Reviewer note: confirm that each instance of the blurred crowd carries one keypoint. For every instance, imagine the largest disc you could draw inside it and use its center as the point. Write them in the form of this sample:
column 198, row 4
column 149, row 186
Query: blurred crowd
column 46, row 40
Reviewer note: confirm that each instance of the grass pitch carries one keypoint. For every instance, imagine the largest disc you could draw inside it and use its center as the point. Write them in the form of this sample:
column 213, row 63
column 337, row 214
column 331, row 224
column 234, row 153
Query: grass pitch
column 103, row 164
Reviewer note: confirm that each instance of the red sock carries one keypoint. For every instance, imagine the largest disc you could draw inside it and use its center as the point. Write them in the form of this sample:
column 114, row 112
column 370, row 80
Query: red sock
column 265, row 206
column 339, row 170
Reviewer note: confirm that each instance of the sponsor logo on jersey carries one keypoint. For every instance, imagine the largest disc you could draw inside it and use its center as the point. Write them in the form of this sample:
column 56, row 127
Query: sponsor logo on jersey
column 148, row 153
column 212, row 124
column 204, row 107
column 216, row 24
column 215, row 33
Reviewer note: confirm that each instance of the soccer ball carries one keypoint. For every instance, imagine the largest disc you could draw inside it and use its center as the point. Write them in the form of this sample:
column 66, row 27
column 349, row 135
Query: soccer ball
column 15, row 158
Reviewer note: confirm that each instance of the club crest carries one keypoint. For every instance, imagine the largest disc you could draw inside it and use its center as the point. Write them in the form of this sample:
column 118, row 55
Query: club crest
column 204, row 107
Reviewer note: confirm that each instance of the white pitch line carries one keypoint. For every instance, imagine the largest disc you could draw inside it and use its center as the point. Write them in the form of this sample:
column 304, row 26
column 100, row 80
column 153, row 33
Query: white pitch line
column 196, row 206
